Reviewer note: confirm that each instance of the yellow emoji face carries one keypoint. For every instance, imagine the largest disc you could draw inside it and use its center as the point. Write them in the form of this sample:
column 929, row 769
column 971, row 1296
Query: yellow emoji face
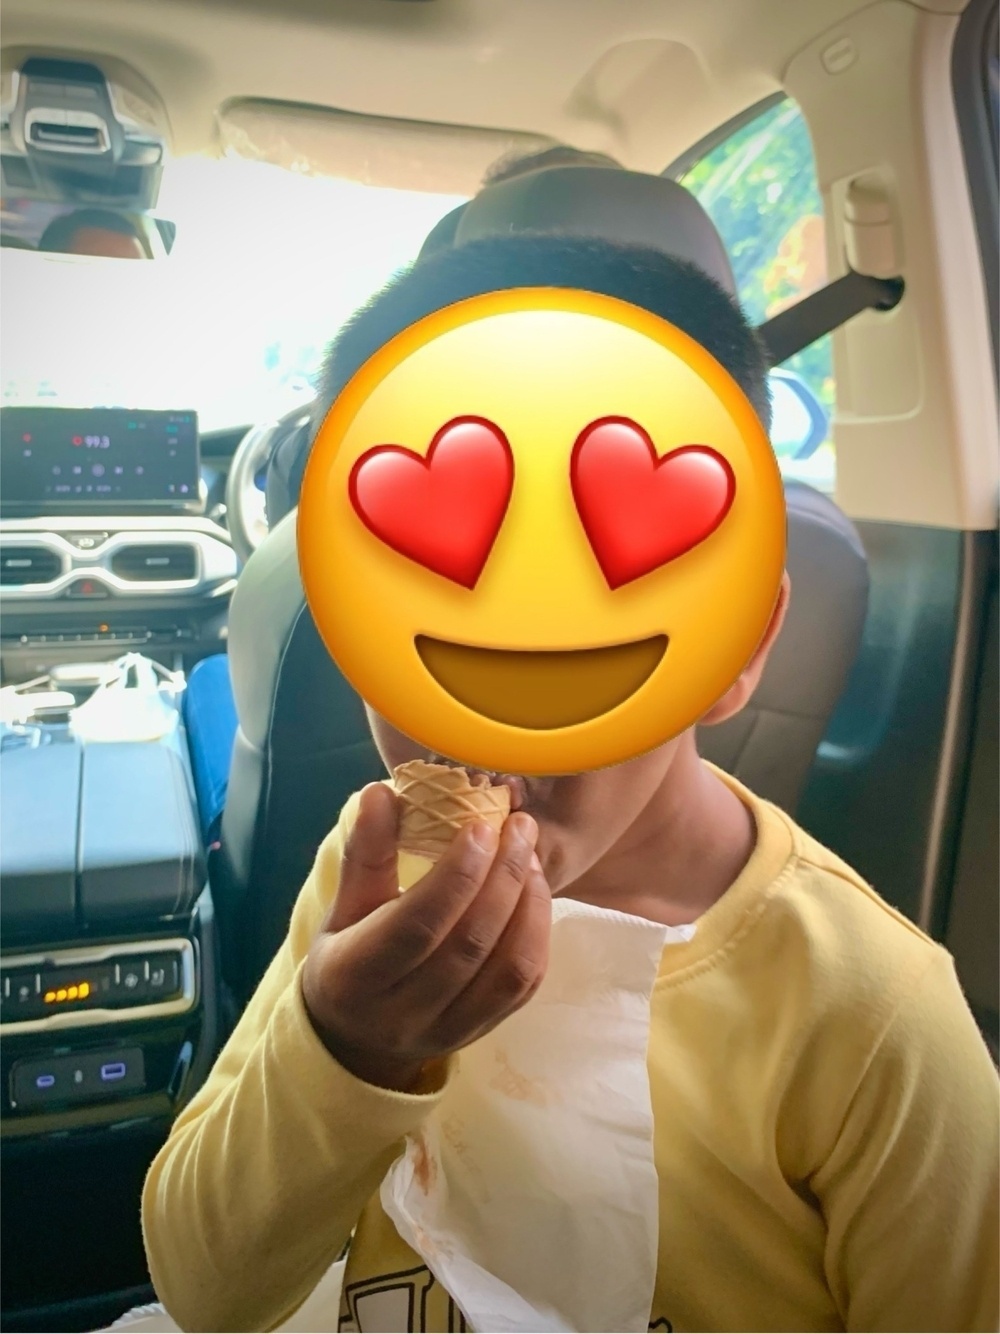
column 542, row 531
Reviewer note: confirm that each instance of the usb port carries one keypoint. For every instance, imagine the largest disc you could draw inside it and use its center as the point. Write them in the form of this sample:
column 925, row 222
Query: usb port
column 45, row 1081
column 113, row 1070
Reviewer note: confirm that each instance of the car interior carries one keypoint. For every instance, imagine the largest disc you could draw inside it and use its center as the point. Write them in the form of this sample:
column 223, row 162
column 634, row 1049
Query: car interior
column 175, row 739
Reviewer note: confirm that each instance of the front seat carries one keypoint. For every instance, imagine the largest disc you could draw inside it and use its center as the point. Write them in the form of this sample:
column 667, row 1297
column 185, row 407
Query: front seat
column 302, row 745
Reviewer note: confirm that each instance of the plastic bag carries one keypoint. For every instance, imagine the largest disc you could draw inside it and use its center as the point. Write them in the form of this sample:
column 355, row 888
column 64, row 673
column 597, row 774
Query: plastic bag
column 135, row 702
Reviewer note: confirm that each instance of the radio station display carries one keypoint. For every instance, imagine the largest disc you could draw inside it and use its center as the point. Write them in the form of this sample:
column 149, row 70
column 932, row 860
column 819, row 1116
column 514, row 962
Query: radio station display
column 98, row 458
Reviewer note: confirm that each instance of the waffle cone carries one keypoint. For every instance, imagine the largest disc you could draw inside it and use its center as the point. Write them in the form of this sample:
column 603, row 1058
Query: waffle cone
column 437, row 801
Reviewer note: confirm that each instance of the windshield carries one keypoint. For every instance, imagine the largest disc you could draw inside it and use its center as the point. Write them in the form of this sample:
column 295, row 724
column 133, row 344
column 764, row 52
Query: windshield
column 267, row 264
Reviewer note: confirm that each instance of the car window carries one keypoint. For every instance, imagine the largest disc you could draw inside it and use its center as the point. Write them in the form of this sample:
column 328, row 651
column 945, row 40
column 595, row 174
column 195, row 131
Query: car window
column 266, row 266
column 759, row 186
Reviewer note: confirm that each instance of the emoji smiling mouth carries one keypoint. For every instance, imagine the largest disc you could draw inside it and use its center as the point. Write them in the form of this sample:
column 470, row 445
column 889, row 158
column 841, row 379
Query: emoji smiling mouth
column 545, row 689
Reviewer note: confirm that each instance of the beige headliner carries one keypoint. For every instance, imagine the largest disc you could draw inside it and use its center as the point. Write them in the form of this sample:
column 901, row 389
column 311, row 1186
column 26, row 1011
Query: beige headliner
column 641, row 78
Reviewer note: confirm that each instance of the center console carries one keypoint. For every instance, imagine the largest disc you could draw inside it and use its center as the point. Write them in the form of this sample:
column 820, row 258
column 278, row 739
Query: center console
column 97, row 837
column 108, row 1002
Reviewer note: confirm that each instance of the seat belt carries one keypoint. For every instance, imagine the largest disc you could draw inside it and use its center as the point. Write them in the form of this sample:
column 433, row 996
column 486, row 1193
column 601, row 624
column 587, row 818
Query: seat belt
column 825, row 310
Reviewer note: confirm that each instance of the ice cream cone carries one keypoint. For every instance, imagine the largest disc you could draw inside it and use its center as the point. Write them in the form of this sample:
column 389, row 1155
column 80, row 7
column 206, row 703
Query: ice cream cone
column 438, row 801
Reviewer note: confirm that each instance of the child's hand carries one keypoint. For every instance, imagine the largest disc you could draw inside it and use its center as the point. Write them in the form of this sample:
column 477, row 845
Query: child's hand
column 394, row 980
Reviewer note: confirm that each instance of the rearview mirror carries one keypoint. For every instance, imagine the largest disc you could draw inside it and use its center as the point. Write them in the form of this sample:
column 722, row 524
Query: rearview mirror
column 799, row 422
column 106, row 232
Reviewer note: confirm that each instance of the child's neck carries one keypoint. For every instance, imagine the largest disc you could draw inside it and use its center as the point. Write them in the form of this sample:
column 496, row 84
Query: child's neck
column 681, row 853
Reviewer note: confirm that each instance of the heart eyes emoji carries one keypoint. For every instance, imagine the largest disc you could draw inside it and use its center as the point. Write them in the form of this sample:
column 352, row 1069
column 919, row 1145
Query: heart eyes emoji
column 445, row 510
column 640, row 511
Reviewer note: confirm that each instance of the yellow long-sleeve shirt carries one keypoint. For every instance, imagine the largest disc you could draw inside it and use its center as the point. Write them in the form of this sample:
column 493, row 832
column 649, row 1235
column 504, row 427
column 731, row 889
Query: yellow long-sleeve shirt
column 826, row 1112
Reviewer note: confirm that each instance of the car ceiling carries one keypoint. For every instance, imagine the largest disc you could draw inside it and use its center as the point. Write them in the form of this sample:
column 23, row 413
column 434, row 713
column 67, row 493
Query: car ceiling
column 642, row 79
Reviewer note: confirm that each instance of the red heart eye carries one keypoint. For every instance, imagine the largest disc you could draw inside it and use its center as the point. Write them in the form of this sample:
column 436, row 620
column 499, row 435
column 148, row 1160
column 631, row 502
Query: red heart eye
column 443, row 511
column 640, row 511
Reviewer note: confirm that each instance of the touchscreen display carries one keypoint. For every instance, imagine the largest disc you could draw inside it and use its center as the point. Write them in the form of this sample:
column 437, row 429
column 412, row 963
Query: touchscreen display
column 66, row 458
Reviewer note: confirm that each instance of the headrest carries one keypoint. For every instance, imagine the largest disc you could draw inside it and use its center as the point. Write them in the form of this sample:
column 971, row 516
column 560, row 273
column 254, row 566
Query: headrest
column 628, row 206
column 605, row 202
column 442, row 234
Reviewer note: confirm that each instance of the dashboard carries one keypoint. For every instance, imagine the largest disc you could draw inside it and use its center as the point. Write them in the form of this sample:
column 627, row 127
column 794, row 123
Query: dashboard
column 111, row 537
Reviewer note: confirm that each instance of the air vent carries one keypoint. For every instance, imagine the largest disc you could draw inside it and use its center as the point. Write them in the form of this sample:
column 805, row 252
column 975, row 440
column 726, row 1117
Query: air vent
column 155, row 562
column 21, row 566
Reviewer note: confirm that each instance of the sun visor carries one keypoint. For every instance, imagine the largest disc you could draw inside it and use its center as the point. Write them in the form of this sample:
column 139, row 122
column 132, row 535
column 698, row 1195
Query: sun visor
column 371, row 150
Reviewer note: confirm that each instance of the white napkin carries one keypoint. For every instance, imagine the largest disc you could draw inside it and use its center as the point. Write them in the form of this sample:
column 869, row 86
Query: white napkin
column 531, row 1191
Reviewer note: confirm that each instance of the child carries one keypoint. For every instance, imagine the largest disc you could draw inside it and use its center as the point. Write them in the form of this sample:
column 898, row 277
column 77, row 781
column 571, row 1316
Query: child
column 825, row 1111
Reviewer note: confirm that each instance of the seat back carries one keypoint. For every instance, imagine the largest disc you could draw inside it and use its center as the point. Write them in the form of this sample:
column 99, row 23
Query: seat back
column 302, row 747
column 770, row 744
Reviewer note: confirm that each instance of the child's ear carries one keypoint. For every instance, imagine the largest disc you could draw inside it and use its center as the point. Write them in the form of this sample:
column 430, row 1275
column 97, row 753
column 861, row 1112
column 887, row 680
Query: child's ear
column 738, row 694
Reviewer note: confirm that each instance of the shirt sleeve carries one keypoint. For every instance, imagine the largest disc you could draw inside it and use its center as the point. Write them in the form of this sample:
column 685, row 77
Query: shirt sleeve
column 267, row 1170
column 910, row 1191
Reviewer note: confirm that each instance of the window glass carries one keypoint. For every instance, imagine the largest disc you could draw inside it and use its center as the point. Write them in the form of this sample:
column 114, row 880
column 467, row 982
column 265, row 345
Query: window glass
column 267, row 265
column 759, row 186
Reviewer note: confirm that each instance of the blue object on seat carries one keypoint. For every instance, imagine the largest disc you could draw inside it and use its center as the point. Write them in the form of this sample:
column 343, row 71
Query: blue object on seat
column 209, row 713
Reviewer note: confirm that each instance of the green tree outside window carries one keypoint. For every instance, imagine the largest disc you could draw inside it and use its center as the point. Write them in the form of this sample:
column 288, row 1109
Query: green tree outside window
column 759, row 187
